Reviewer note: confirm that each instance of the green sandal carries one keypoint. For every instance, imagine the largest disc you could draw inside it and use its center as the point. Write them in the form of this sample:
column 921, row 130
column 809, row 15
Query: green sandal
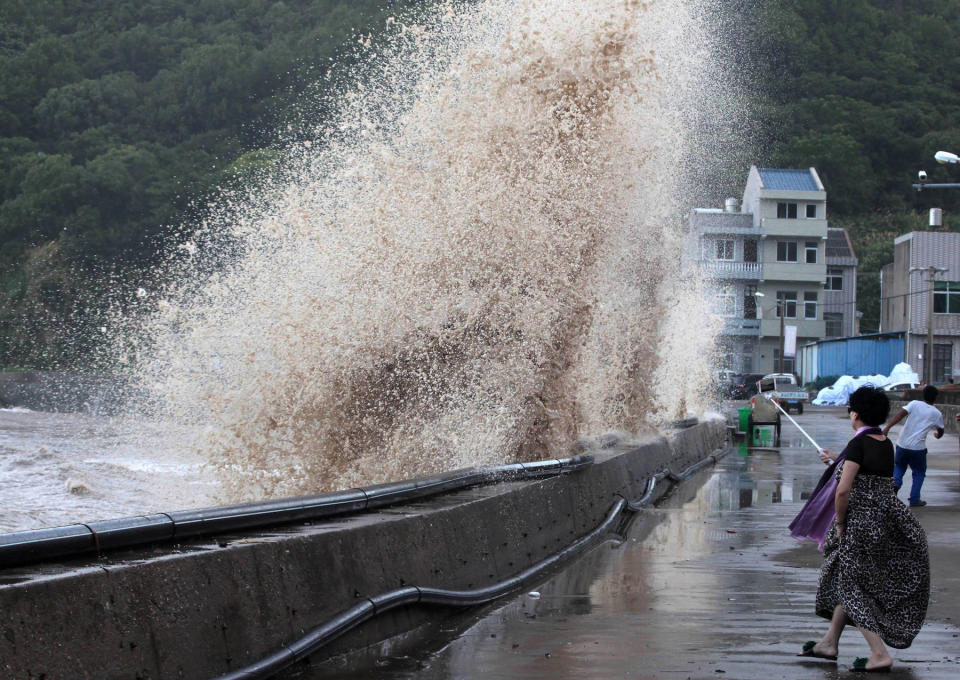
column 809, row 652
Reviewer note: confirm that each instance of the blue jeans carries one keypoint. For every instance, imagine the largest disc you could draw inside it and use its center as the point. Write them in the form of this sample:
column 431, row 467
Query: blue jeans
column 917, row 461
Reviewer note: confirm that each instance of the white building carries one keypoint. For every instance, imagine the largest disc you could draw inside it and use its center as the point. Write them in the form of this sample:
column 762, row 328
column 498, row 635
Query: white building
column 771, row 255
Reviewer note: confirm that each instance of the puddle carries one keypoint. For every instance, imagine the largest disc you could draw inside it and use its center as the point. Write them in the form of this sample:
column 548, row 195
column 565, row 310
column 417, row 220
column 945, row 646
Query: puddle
column 696, row 589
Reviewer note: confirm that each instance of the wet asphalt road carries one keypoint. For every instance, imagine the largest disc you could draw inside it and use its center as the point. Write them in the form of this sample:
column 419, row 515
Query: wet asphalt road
column 708, row 584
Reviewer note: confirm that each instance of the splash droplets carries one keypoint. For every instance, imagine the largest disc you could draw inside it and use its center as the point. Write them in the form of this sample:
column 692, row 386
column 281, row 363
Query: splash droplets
column 477, row 262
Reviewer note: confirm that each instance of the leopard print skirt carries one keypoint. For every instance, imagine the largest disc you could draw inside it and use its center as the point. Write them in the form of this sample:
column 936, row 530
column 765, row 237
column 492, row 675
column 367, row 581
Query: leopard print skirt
column 880, row 571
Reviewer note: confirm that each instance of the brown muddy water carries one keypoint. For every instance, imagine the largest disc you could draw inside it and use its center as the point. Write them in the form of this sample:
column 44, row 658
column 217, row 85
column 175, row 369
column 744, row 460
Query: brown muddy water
column 63, row 468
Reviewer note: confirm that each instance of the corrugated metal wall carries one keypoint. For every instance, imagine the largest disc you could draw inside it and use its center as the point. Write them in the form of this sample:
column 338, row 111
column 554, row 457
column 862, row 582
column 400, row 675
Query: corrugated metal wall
column 859, row 355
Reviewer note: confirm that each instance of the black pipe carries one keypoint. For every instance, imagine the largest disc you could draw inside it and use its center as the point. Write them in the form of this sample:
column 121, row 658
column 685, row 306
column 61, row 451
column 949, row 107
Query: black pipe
column 667, row 473
column 344, row 621
column 24, row 547
column 409, row 595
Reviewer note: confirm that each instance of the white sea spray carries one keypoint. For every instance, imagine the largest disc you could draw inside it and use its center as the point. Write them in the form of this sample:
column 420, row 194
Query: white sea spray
column 478, row 261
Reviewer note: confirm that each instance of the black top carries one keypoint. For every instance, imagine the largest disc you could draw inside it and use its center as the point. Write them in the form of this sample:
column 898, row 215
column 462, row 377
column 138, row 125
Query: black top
column 875, row 458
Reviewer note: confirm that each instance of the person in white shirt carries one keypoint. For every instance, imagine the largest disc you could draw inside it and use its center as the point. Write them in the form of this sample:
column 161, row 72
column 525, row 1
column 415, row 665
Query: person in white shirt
column 922, row 417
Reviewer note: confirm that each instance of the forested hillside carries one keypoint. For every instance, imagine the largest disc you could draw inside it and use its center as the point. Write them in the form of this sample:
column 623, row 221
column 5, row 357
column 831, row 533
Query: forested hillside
column 119, row 117
column 866, row 91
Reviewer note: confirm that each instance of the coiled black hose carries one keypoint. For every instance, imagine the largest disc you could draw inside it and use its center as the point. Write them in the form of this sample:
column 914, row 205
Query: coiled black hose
column 373, row 606
column 644, row 501
column 370, row 607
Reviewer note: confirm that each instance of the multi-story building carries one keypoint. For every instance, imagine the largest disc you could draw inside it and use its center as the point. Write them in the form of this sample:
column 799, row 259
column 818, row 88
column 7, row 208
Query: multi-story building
column 925, row 271
column 729, row 256
column 840, row 319
column 766, row 259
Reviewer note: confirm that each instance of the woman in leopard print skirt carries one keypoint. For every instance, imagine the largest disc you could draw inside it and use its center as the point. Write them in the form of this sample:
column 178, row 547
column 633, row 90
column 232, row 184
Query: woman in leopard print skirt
column 876, row 568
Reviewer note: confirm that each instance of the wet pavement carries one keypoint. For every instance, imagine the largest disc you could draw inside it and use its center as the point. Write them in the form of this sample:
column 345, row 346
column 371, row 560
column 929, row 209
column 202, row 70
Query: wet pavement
column 708, row 584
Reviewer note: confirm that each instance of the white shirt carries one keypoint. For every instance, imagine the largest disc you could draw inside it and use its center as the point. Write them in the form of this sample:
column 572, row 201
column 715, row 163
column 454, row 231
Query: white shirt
column 921, row 418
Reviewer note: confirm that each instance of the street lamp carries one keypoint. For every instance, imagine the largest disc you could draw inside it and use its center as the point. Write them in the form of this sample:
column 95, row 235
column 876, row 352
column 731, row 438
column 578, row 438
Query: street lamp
column 940, row 157
column 946, row 157
column 780, row 310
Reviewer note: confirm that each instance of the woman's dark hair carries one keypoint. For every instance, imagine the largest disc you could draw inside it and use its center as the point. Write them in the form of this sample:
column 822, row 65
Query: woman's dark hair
column 871, row 404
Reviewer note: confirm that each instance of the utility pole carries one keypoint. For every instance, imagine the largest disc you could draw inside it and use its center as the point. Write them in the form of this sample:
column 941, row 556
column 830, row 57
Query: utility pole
column 780, row 311
column 928, row 355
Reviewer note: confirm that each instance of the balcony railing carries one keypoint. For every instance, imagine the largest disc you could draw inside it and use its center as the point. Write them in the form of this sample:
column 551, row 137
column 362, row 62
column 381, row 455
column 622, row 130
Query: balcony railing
column 725, row 223
column 793, row 228
column 731, row 270
column 741, row 327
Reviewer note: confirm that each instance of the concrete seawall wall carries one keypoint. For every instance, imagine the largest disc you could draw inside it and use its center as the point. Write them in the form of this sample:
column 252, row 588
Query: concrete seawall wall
column 200, row 609
column 949, row 412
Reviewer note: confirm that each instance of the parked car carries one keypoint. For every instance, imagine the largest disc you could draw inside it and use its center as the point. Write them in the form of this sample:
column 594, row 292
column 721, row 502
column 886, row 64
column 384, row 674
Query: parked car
column 902, row 387
column 743, row 386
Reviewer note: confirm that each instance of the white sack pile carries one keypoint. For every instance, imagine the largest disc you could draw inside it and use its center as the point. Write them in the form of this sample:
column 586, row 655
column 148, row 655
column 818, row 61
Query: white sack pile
column 839, row 393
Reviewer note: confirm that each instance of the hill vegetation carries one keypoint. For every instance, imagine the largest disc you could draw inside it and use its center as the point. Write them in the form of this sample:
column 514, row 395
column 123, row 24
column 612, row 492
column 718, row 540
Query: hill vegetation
column 866, row 91
column 118, row 118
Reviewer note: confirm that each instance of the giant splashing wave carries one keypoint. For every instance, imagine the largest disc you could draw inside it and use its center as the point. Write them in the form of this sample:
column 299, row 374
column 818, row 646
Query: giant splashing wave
column 477, row 262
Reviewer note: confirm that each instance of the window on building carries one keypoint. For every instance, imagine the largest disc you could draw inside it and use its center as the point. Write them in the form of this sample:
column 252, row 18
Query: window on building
column 726, row 305
column 749, row 303
column 725, row 249
column 811, row 211
column 834, row 279
column 942, row 362
column 747, row 363
column 786, row 251
column 810, row 305
column 788, row 362
column 787, row 211
column 811, row 252
column 750, row 250
column 787, row 299
column 946, row 297
column 833, row 324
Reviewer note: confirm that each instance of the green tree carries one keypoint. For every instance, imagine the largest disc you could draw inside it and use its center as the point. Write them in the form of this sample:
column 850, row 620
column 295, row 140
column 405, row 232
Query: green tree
column 841, row 163
column 50, row 192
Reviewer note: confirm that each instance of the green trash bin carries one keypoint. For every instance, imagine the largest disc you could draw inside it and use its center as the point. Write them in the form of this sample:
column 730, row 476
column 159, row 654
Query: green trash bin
column 763, row 435
column 744, row 414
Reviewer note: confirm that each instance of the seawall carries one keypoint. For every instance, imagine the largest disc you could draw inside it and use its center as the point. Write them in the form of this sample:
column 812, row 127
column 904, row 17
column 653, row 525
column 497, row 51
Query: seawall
column 949, row 411
column 201, row 608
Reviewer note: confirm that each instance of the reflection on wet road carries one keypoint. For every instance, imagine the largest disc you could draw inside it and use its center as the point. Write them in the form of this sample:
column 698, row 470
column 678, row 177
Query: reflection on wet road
column 708, row 584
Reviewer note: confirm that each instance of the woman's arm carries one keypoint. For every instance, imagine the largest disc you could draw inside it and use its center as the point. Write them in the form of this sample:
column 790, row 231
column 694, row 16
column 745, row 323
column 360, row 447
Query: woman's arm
column 842, row 498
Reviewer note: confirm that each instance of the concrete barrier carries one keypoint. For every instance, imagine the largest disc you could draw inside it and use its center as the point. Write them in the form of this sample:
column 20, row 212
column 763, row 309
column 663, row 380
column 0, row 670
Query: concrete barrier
column 202, row 608
column 949, row 411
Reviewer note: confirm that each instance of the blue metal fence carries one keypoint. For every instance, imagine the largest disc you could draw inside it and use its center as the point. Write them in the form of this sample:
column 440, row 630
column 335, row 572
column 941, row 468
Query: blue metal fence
column 858, row 355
